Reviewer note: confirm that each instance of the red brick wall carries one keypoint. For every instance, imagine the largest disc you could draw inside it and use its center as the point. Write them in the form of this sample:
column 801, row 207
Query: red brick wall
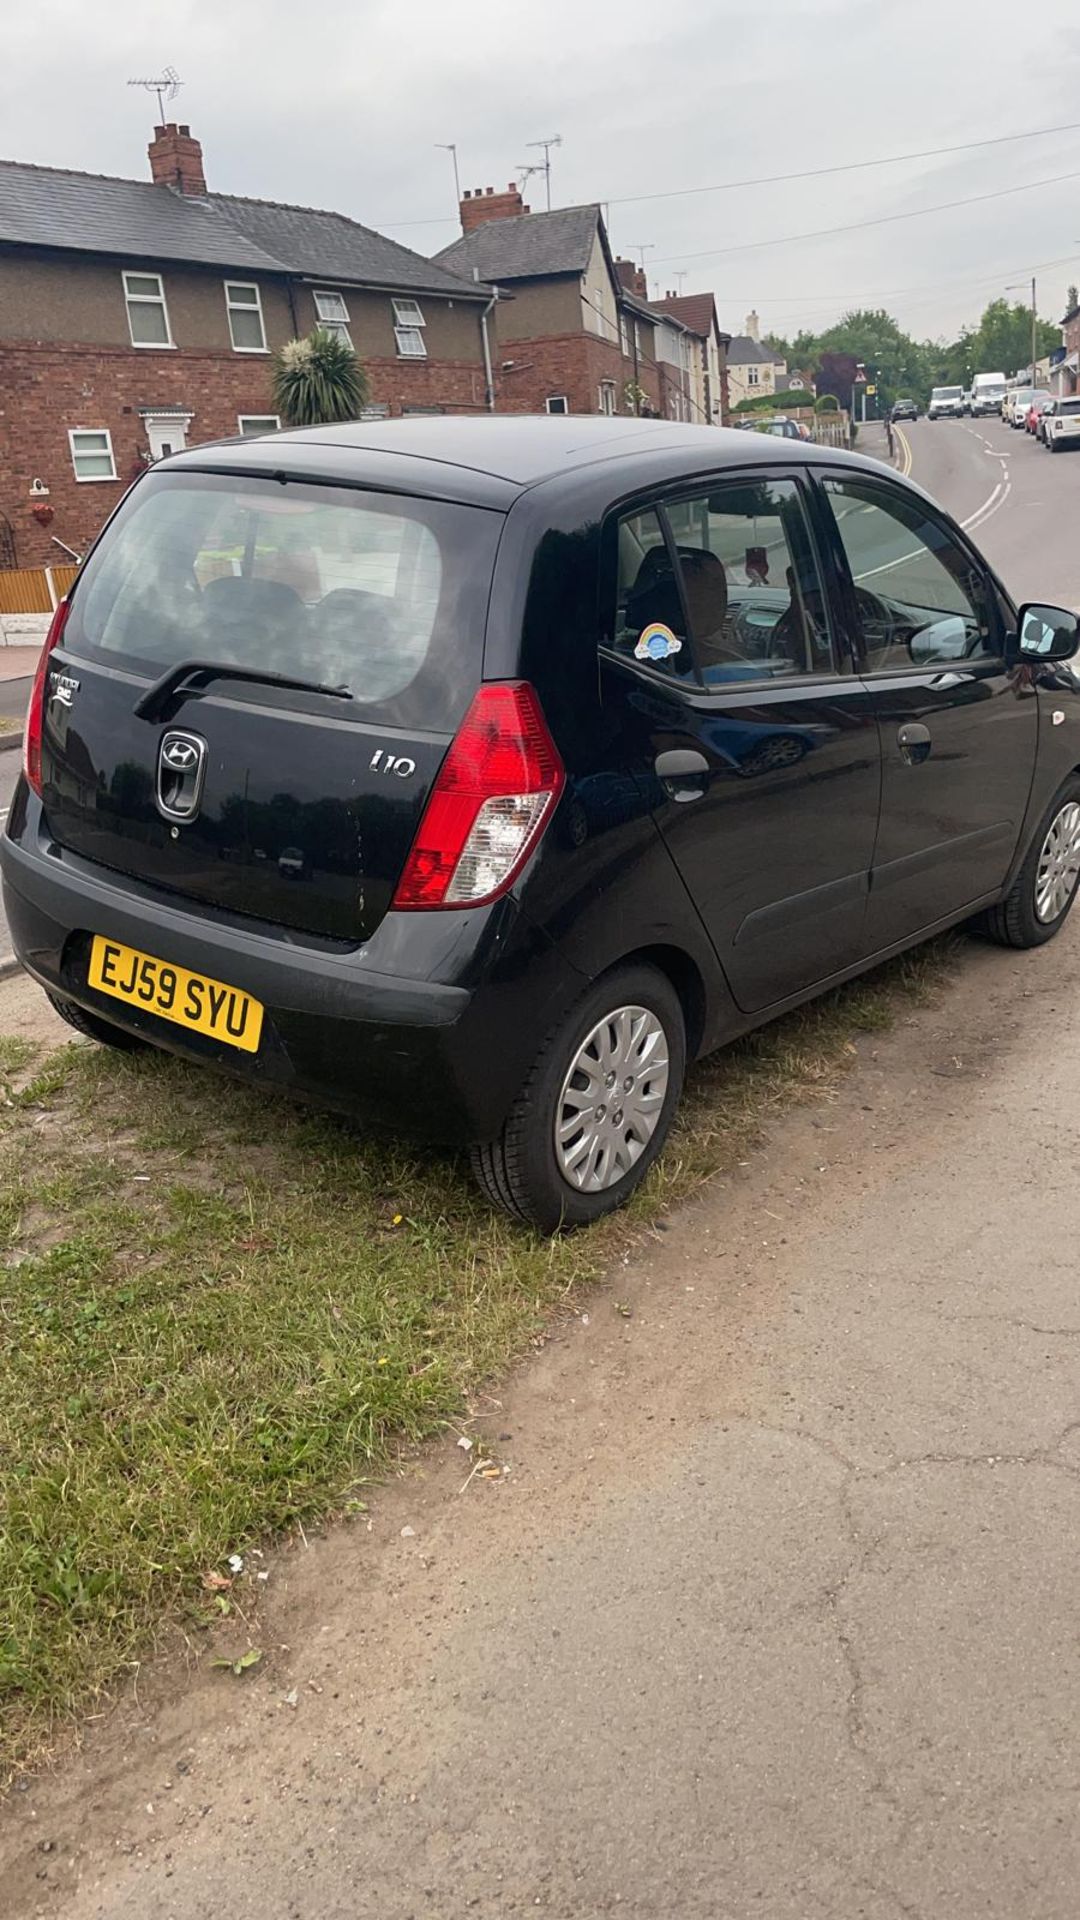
column 573, row 364
column 45, row 390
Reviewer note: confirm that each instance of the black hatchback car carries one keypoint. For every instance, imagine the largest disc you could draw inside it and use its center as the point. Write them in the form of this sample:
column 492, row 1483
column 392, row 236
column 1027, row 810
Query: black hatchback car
column 472, row 776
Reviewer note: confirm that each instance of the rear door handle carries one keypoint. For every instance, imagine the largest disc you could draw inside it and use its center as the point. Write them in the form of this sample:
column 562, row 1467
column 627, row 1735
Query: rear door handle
column 914, row 742
column 682, row 772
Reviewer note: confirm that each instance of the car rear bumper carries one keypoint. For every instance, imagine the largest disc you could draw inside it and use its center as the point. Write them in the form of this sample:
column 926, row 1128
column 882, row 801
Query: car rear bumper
column 433, row 1058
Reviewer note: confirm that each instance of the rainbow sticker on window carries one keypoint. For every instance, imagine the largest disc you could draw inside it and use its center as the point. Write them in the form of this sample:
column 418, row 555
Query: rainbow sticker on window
column 657, row 642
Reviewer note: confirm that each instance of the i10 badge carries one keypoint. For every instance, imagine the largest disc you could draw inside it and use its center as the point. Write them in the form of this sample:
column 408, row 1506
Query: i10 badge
column 400, row 764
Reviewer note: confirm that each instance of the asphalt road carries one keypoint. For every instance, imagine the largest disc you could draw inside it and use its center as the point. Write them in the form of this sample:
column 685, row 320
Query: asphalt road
column 773, row 1616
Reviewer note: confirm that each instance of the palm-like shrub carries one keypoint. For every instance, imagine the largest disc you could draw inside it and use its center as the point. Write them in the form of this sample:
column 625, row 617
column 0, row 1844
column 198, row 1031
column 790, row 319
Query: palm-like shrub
column 317, row 380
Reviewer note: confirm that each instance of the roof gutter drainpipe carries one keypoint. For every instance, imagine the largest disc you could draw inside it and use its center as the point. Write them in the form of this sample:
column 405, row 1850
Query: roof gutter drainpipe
column 489, row 380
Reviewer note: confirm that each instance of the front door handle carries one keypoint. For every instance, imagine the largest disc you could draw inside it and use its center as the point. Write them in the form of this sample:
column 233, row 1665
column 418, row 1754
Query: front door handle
column 682, row 772
column 914, row 742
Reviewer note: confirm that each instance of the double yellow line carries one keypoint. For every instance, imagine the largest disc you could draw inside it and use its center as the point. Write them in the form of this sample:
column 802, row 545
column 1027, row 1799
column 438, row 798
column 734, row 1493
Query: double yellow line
column 905, row 452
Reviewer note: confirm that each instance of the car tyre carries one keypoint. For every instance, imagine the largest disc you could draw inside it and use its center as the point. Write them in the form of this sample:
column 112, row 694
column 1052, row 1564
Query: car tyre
column 1041, row 897
column 92, row 1028
column 520, row 1171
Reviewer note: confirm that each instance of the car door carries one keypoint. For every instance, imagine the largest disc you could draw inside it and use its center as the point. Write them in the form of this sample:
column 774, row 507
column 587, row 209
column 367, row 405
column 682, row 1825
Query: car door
column 958, row 727
column 755, row 743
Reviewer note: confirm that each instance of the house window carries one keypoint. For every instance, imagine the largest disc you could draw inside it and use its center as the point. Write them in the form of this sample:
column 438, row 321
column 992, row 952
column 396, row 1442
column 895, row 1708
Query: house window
column 250, row 424
column 624, row 335
column 556, row 403
column 92, row 454
column 333, row 315
column 245, row 317
column 148, row 316
column 753, row 377
column 607, row 396
column 408, row 330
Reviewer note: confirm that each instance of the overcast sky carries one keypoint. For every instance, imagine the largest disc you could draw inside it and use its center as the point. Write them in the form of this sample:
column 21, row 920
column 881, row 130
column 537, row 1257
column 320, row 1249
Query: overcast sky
column 340, row 103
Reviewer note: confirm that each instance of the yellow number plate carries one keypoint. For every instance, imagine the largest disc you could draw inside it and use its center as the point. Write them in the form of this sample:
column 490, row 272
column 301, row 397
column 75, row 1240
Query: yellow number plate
column 188, row 999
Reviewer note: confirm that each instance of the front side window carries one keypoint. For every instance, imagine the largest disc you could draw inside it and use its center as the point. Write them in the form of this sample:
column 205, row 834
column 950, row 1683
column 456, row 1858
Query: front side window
column 920, row 596
column 333, row 315
column 246, row 328
column 92, row 454
column 148, row 316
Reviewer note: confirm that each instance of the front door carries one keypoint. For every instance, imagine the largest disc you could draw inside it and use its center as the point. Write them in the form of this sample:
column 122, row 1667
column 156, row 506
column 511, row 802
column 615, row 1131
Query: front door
column 166, row 435
column 727, row 662
column 958, row 728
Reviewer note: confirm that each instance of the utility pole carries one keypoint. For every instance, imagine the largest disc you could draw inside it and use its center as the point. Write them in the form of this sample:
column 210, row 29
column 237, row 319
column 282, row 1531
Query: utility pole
column 1014, row 287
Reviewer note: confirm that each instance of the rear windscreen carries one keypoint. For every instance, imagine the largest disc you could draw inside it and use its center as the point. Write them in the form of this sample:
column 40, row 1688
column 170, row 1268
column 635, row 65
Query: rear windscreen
column 384, row 594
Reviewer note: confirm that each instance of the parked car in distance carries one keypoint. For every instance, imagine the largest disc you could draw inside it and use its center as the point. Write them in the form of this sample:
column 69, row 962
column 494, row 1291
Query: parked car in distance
column 1015, row 405
column 781, row 428
column 1061, row 424
column 1039, row 402
column 473, row 776
column 905, row 410
column 988, row 392
column 946, row 403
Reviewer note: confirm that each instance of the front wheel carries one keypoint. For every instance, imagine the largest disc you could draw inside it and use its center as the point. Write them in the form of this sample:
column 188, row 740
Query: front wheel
column 596, row 1107
column 1041, row 897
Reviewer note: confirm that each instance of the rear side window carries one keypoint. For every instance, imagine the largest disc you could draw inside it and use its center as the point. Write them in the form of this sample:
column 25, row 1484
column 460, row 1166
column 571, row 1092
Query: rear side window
column 1068, row 406
column 383, row 594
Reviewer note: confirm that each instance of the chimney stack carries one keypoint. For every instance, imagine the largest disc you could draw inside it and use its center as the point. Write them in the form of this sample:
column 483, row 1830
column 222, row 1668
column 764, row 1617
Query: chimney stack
column 753, row 325
column 485, row 204
column 176, row 160
column 632, row 277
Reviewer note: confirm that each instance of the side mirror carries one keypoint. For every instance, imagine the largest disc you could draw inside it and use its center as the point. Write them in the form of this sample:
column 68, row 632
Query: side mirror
column 1047, row 633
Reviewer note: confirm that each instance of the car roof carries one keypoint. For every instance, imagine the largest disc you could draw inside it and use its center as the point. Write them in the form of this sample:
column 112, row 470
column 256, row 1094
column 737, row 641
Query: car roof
column 490, row 460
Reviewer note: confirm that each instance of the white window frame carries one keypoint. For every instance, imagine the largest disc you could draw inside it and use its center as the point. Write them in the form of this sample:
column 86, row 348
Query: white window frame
column 147, row 300
column 411, row 344
column 624, row 336
column 92, row 479
column 245, row 306
column 609, row 389
column 407, row 313
column 560, row 408
column 753, row 376
column 339, row 324
column 268, row 422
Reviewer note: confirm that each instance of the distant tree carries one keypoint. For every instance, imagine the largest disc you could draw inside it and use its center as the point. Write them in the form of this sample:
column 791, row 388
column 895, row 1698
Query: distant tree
column 1072, row 300
column 317, row 380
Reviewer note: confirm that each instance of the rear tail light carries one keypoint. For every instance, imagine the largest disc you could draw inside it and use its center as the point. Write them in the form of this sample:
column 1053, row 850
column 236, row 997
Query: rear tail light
column 494, row 793
column 35, row 714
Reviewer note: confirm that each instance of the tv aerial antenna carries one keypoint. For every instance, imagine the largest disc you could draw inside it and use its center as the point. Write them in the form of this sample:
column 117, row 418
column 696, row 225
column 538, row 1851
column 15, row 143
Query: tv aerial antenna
column 543, row 166
column 166, row 88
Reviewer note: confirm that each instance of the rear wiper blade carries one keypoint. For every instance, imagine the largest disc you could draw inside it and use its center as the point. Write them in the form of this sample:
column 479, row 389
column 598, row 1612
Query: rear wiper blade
column 153, row 702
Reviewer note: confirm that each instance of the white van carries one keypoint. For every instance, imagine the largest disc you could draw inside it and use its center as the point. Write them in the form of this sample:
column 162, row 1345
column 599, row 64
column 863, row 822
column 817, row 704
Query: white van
column 987, row 393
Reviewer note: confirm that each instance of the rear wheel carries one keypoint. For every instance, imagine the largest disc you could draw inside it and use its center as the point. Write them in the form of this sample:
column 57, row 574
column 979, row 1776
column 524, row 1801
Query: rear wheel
column 596, row 1107
column 1043, row 892
column 91, row 1028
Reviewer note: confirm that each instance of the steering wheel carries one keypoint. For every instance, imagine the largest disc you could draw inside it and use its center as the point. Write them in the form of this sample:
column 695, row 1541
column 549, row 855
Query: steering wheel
column 875, row 614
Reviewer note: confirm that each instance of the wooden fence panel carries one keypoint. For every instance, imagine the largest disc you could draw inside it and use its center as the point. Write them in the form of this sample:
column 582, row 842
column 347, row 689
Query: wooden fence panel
column 63, row 578
column 24, row 590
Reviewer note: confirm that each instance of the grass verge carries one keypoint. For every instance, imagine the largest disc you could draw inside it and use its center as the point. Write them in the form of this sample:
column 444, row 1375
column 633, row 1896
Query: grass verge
column 216, row 1314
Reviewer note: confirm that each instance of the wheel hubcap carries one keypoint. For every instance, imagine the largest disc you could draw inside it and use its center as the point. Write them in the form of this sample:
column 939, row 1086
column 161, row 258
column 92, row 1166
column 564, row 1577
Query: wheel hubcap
column 1059, row 864
column 611, row 1099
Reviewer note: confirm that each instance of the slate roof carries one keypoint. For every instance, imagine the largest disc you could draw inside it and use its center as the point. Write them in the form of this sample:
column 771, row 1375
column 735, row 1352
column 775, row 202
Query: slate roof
column 744, row 352
column 696, row 310
column 91, row 213
column 531, row 246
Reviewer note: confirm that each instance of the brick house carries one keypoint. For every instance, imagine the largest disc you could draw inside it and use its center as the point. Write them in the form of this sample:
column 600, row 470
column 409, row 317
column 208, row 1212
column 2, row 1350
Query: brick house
column 557, row 319
column 139, row 317
column 707, row 347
